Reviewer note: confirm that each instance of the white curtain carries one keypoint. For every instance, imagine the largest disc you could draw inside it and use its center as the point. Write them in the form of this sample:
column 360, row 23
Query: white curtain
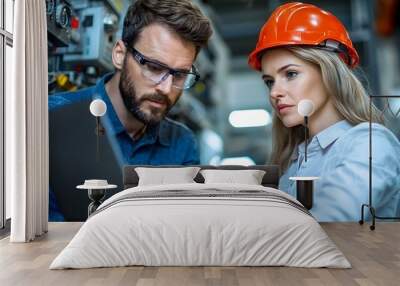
column 27, row 171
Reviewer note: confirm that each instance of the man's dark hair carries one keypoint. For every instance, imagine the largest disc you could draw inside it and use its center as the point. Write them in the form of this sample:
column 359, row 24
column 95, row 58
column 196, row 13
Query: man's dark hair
column 181, row 16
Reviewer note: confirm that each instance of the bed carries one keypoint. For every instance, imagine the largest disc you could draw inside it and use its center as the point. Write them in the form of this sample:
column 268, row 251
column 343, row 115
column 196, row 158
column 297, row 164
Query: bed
column 160, row 220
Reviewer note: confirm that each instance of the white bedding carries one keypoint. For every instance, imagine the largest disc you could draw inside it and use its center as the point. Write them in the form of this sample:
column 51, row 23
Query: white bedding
column 207, row 230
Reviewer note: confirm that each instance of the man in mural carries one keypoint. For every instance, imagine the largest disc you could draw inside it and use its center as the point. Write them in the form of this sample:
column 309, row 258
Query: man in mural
column 153, row 65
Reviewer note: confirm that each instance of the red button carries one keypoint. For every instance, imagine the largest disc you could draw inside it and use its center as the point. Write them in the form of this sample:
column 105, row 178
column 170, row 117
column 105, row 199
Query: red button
column 74, row 23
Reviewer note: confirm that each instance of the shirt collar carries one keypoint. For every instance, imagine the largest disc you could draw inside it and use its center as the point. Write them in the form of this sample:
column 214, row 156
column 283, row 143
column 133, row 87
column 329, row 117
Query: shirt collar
column 164, row 132
column 327, row 136
column 153, row 132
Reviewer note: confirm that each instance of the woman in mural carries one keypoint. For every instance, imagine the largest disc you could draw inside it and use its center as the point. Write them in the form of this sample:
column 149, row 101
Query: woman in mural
column 304, row 52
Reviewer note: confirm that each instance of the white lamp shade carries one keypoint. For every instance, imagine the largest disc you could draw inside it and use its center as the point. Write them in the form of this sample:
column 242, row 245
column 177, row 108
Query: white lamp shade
column 305, row 107
column 98, row 107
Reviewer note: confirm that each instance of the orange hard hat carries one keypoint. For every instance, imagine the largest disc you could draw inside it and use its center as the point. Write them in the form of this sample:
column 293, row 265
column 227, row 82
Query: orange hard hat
column 304, row 24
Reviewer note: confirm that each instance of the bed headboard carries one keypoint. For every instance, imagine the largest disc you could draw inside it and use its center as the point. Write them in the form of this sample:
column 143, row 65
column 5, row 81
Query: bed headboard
column 270, row 179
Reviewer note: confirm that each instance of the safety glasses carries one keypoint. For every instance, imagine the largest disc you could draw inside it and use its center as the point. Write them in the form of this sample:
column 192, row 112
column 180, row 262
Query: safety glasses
column 158, row 72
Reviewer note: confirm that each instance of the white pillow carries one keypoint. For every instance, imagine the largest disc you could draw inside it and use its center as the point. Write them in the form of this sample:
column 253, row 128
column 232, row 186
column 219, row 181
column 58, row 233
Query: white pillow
column 163, row 176
column 249, row 177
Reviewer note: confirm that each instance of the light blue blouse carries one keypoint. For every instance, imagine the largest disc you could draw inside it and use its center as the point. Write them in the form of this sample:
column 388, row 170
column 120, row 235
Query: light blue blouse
column 339, row 156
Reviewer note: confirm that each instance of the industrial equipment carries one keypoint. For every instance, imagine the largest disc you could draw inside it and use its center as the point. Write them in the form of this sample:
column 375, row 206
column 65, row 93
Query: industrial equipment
column 59, row 13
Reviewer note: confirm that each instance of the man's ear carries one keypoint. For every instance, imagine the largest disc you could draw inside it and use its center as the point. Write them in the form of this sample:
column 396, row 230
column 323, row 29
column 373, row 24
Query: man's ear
column 118, row 54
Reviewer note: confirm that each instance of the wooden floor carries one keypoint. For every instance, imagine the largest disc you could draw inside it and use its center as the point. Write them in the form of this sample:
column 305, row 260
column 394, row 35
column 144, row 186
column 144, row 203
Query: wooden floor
column 374, row 255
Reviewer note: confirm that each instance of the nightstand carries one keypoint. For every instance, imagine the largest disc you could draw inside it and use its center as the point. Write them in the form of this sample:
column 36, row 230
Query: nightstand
column 305, row 190
column 96, row 192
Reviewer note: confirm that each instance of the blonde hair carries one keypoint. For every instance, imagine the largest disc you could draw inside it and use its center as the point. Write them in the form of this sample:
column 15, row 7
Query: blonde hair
column 346, row 91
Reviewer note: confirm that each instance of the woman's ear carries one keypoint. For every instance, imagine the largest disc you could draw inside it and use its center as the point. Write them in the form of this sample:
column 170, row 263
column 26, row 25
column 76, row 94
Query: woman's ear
column 118, row 54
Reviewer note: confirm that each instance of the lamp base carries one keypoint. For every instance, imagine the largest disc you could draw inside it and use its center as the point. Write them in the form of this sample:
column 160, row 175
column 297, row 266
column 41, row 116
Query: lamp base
column 372, row 211
column 96, row 196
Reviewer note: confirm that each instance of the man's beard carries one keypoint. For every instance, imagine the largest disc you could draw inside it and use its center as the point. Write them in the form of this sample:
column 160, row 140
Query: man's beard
column 154, row 115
